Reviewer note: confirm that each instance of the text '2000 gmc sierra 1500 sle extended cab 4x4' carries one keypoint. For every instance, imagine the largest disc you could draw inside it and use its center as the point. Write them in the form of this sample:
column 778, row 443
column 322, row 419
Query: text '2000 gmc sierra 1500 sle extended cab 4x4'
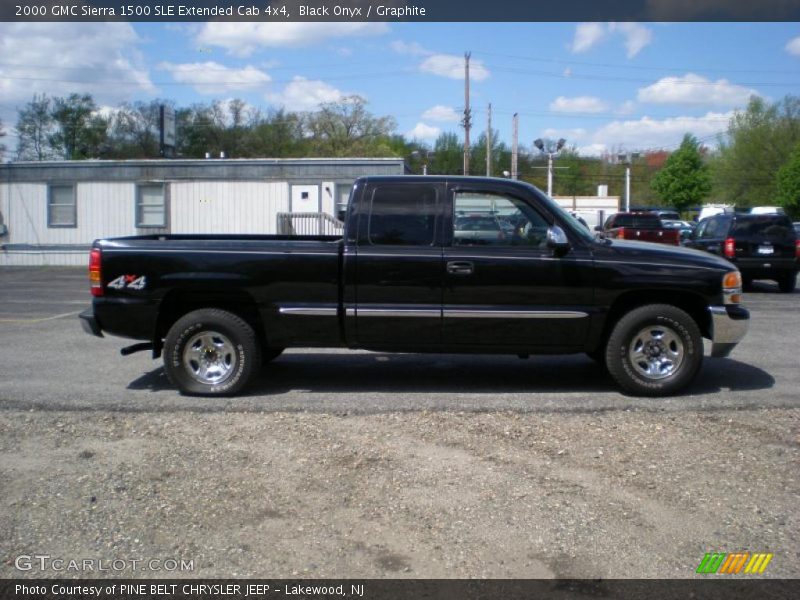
column 402, row 279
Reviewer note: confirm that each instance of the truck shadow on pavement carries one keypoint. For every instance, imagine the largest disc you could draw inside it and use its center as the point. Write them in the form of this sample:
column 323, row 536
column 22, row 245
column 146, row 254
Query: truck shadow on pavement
column 365, row 373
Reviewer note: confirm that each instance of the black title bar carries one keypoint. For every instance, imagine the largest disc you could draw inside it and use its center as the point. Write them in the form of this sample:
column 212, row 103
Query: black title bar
column 712, row 588
column 276, row 11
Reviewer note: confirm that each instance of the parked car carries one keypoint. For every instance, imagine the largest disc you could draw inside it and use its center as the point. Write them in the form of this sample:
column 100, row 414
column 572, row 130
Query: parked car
column 399, row 279
column 761, row 246
column 669, row 215
column 767, row 210
column 640, row 227
column 685, row 228
column 480, row 229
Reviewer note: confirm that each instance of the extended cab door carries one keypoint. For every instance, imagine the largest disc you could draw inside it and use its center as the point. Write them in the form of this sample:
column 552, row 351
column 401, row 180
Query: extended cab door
column 397, row 279
column 504, row 287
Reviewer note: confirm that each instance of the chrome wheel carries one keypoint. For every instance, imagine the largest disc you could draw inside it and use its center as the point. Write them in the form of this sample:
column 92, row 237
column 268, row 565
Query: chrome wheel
column 656, row 352
column 210, row 358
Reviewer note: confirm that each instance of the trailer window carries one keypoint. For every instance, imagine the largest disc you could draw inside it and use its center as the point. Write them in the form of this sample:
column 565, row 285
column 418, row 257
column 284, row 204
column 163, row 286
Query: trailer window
column 61, row 206
column 151, row 205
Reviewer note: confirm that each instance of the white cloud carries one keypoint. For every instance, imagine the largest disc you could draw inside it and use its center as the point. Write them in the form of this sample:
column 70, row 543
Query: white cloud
column 578, row 104
column 412, row 48
column 793, row 46
column 441, row 113
column 636, row 36
column 592, row 150
column 626, row 108
column 693, row 89
column 101, row 59
column 570, row 135
column 659, row 133
column 452, row 67
column 244, row 38
column 306, row 94
column 423, row 132
column 214, row 78
column 588, row 35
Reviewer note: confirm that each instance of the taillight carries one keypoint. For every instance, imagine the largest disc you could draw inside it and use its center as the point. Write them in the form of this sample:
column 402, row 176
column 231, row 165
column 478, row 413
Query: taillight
column 620, row 234
column 95, row 278
column 797, row 249
column 730, row 248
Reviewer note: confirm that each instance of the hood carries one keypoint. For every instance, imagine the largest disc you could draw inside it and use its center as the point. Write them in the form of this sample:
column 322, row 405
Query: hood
column 677, row 255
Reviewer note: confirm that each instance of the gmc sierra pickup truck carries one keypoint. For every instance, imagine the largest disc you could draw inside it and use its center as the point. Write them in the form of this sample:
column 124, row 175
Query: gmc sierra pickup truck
column 408, row 275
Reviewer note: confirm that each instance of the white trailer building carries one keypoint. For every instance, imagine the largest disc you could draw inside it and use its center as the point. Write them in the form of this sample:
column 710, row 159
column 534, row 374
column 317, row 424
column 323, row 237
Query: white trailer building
column 50, row 212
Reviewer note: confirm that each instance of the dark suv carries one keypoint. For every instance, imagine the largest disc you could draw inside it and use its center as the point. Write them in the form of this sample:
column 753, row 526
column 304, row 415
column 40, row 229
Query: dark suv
column 761, row 246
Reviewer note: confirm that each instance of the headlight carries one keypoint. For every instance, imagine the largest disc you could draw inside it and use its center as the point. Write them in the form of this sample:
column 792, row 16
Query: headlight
column 732, row 287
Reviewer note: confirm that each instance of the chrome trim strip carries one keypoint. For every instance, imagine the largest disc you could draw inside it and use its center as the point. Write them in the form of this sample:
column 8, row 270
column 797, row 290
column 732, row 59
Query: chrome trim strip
column 514, row 314
column 397, row 312
column 307, row 311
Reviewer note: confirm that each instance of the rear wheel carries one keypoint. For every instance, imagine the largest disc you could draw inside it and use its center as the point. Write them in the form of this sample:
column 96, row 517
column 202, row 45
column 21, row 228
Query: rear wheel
column 787, row 283
column 654, row 350
column 211, row 352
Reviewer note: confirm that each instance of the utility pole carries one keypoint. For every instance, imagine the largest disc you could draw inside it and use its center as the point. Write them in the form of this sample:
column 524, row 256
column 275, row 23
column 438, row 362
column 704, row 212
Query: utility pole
column 515, row 146
column 467, row 115
column 489, row 141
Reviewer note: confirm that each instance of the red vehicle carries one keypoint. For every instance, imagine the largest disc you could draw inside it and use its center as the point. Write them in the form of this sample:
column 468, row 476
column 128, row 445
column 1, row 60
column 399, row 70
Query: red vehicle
column 641, row 227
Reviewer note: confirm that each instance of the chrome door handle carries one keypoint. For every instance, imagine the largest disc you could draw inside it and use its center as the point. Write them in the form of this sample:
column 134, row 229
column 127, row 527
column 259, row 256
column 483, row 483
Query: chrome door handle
column 460, row 268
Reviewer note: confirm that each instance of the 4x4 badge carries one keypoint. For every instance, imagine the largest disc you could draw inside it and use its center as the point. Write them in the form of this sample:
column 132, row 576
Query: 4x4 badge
column 130, row 282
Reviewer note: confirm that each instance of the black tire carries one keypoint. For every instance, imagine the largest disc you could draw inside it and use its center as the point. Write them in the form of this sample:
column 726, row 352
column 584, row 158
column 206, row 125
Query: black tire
column 787, row 283
column 270, row 354
column 668, row 342
column 211, row 352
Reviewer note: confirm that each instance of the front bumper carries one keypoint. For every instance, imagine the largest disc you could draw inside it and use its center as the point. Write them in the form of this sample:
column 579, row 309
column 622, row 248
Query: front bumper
column 89, row 323
column 729, row 325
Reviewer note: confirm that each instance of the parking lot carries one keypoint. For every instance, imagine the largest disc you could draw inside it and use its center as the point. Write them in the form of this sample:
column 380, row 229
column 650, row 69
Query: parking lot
column 358, row 464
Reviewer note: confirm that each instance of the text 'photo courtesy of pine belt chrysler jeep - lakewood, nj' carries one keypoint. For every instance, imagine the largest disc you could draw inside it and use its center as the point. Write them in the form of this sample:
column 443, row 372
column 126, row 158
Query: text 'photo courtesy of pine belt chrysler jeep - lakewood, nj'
column 425, row 264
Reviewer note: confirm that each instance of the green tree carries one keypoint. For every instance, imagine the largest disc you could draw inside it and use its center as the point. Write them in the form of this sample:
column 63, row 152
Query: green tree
column 34, row 128
column 685, row 180
column 788, row 183
column 760, row 140
column 347, row 128
column 135, row 130
column 79, row 131
column 448, row 155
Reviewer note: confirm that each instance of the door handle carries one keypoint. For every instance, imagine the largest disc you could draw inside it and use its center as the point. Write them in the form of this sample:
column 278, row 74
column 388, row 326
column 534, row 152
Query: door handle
column 460, row 268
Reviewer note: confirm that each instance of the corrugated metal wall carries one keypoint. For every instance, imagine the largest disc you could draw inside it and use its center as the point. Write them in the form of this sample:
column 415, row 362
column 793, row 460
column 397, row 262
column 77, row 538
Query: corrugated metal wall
column 227, row 206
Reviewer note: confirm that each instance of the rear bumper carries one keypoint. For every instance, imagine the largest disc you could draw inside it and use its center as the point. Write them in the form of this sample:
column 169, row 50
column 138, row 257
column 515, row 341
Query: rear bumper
column 89, row 323
column 766, row 267
column 729, row 325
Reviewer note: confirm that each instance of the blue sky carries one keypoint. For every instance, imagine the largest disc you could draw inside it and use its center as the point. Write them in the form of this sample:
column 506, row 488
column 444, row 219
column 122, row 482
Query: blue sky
column 602, row 86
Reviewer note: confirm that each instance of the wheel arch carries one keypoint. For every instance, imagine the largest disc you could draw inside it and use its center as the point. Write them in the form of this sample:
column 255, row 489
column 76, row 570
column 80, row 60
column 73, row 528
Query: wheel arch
column 693, row 304
column 178, row 303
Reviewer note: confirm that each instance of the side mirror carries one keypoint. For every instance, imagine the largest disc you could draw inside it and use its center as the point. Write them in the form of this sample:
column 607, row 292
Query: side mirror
column 557, row 240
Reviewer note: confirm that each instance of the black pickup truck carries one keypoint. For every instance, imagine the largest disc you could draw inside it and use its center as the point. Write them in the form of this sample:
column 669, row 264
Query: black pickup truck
column 411, row 275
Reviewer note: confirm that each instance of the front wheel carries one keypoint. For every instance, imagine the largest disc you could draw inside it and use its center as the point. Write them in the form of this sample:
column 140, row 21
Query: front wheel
column 211, row 352
column 654, row 350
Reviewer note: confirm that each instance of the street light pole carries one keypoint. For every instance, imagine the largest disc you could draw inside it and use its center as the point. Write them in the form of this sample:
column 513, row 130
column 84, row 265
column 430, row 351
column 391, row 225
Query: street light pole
column 550, row 151
column 628, row 187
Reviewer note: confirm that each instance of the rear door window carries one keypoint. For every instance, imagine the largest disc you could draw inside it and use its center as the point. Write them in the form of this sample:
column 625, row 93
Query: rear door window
column 402, row 215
